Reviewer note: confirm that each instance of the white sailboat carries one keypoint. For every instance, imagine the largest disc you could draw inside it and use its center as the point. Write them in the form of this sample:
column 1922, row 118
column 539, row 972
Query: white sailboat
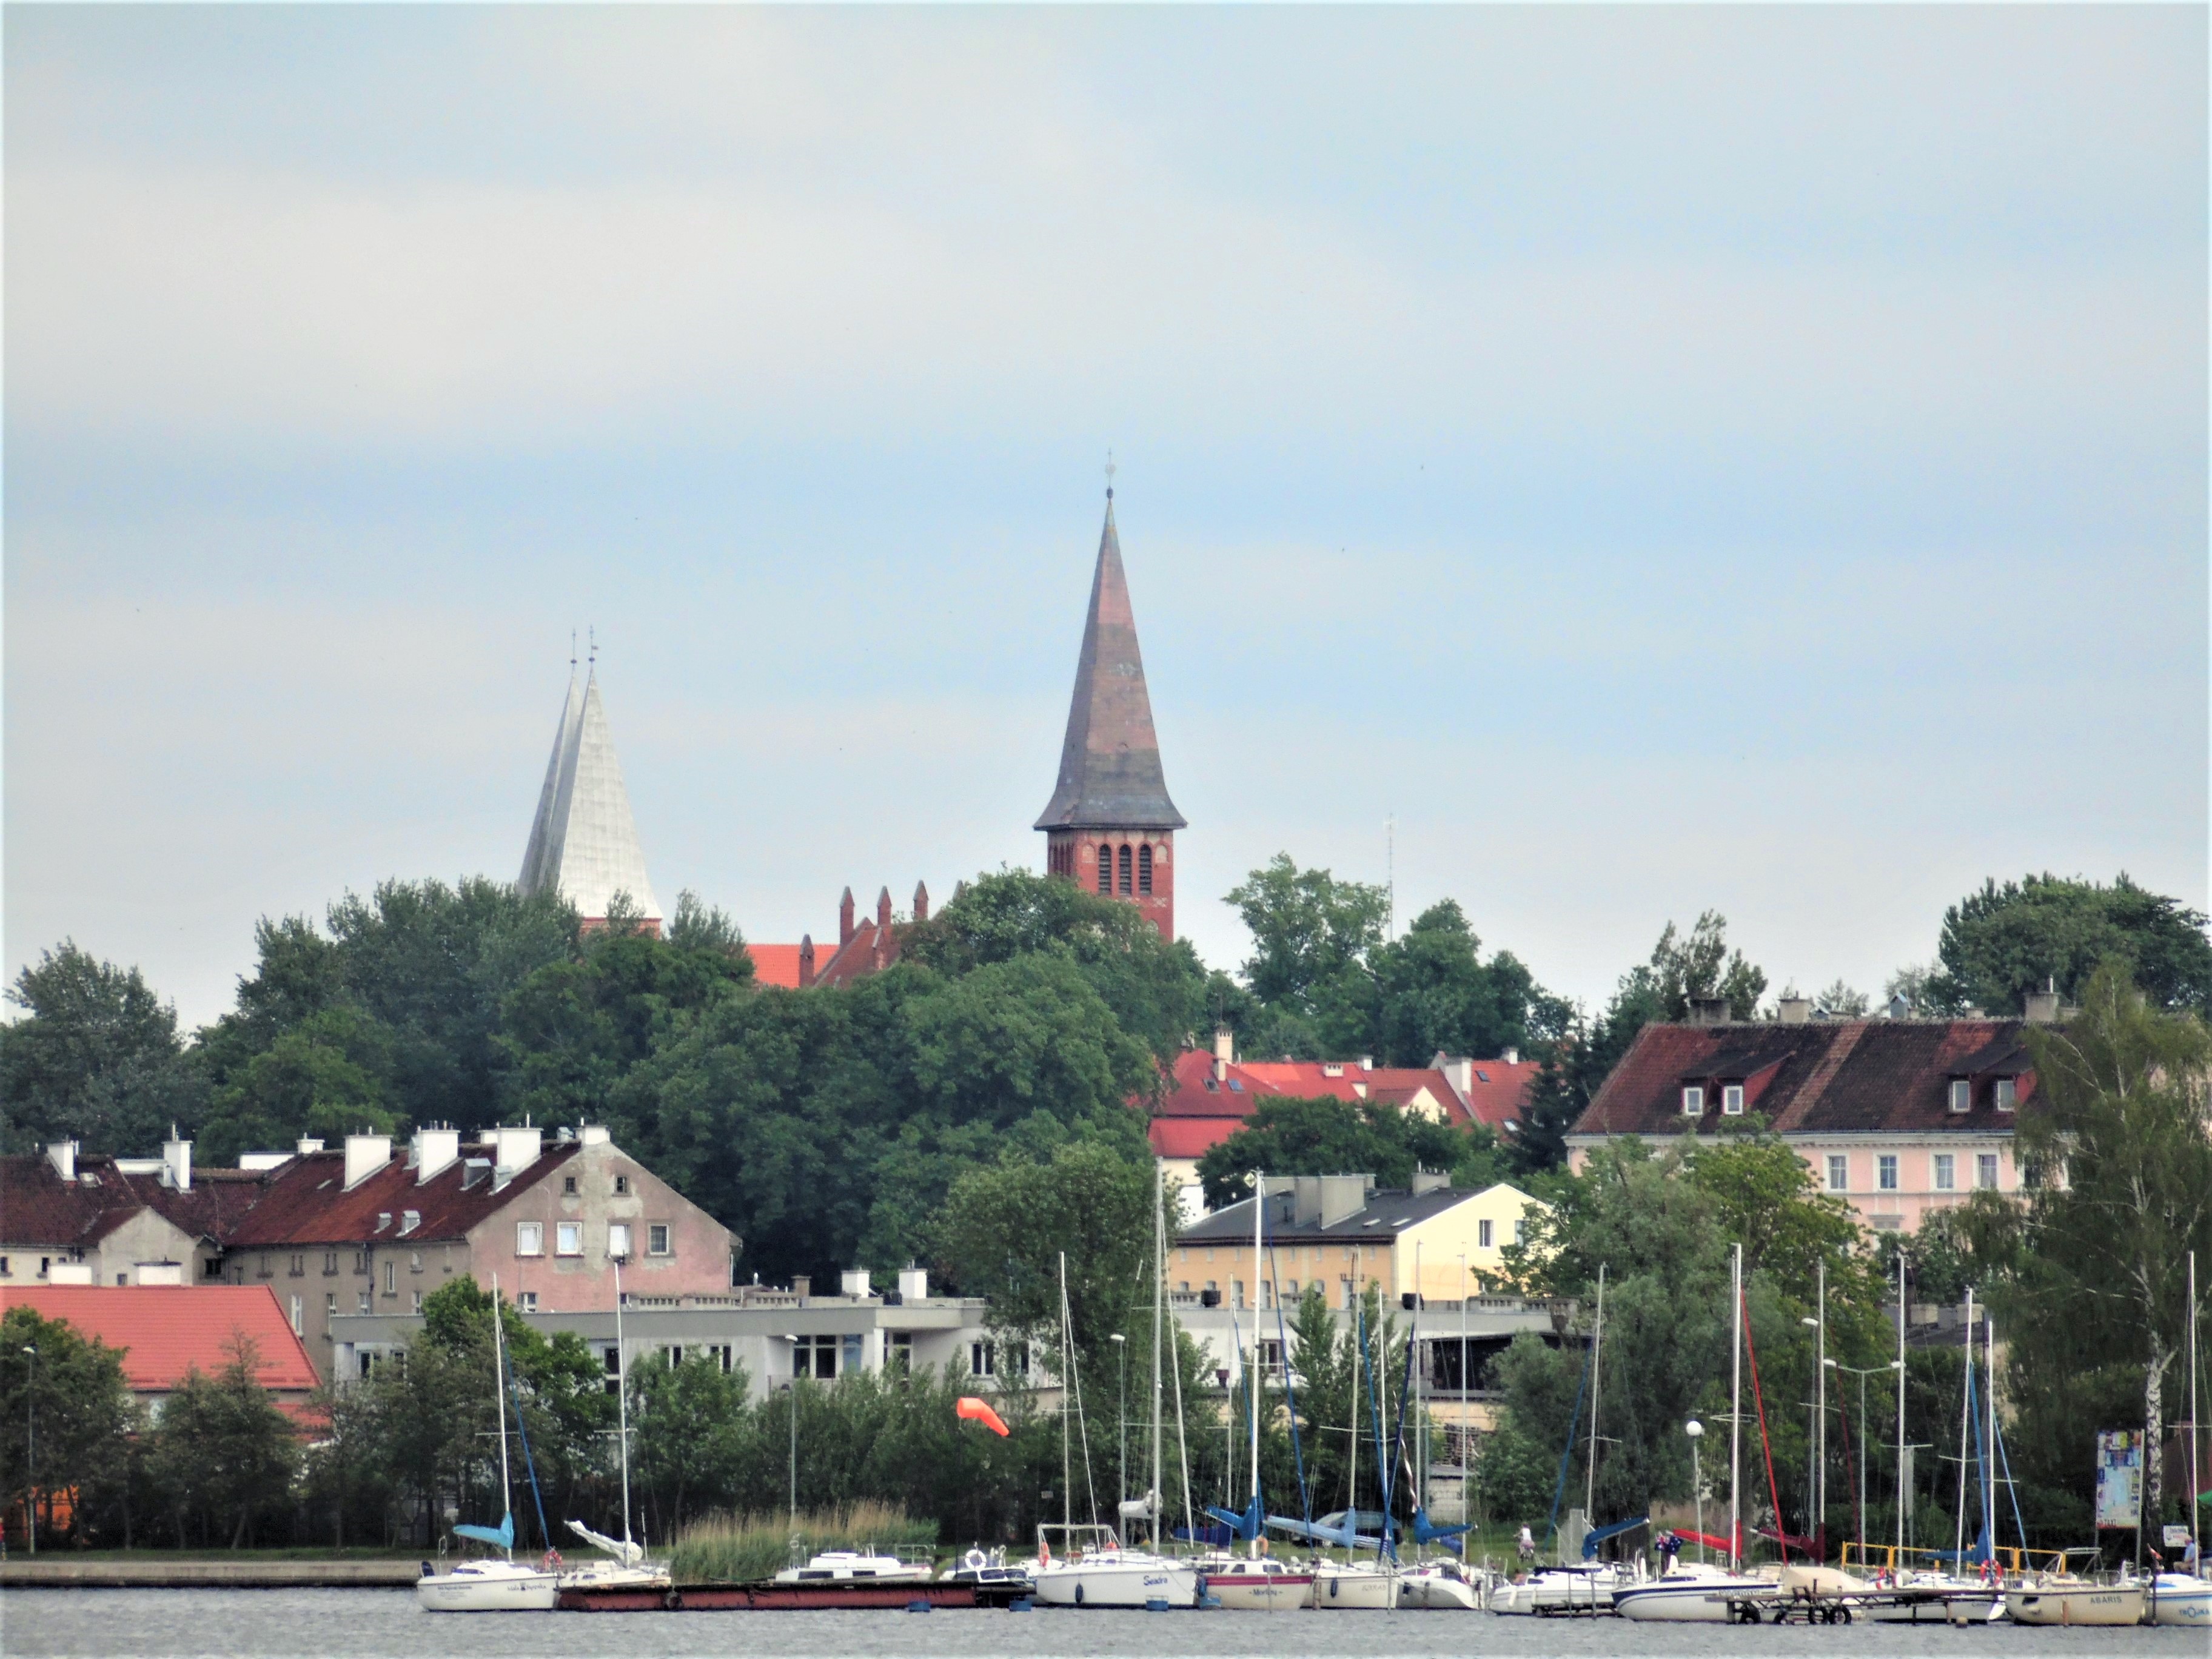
column 625, row 1567
column 2186, row 1598
column 1097, row 1572
column 502, row 1585
column 1353, row 1586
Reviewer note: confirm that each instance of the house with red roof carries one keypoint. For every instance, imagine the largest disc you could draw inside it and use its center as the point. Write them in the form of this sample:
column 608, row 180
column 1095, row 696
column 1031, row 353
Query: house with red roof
column 66, row 1218
column 165, row 1332
column 865, row 946
column 1898, row 1117
column 1211, row 1095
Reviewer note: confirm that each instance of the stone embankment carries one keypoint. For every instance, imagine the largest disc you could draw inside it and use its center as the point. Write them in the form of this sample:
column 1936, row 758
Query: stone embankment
column 153, row 1571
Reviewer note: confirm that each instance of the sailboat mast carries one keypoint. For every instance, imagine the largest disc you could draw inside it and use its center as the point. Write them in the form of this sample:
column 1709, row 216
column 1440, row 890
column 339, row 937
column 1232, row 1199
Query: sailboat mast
column 1359, row 1340
column 1966, row 1430
column 1159, row 1303
column 622, row 1398
column 1735, row 1409
column 1067, row 1467
column 2196, row 1421
column 499, row 1387
column 1259, row 1244
column 1990, row 1440
column 1598, row 1356
column 1901, row 1495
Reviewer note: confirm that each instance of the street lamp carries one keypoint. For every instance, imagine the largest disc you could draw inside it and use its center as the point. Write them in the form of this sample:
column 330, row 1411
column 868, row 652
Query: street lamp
column 1865, row 1445
column 1121, row 1352
column 1696, row 1430
column 792, row 1390
column 622, row 1373
column 31, row 1452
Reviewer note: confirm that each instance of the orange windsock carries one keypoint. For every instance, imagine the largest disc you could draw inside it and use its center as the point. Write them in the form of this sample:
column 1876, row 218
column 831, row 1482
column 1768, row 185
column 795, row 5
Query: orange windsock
column 980, row 1411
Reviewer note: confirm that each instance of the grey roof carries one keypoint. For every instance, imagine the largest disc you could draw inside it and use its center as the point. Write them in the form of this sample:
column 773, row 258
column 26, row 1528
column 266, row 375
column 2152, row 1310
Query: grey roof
column 1387, row 1213
column 1109, row 762
column 583, row 842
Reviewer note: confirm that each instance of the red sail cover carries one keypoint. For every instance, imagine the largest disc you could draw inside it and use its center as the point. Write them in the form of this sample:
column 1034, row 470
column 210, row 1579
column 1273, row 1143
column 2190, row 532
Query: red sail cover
column 980, row 1412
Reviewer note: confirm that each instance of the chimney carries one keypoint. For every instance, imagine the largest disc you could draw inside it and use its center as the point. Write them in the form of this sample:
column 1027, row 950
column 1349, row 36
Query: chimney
column 1795, row 1010
column 1224, row 1051
column 62, row 1154
column 806, row 960
column 307, row 1144
column 1367, row 1062
column 434, row 1150
column 177, row 1162
column 1430, row 1181
column 854, row 1282
column 2041, row 1006
column 921, row 902
column 365, row 1155
column 1328, row 1198
column 914, row 1284
column 1709, row 1011
column 884, row 909
column 517, row 1148
column 802, row 1286
column 845, row 920
column 1512, row 1056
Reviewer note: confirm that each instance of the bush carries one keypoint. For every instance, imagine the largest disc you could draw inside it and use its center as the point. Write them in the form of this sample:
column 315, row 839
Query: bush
column 734, row 1549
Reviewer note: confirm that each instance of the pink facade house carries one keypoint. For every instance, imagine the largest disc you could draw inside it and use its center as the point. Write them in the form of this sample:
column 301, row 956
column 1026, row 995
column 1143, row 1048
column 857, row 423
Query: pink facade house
column 1900, row 1117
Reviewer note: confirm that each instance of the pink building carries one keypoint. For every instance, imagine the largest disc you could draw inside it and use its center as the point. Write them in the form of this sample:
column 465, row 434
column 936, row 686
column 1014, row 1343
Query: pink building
column 1901, row 1117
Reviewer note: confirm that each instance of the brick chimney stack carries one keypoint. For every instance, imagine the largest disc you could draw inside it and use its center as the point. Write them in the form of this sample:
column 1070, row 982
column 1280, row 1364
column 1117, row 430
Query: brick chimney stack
column 921, row 901
column 884, row 909
column 806, row 960
column 845, row 920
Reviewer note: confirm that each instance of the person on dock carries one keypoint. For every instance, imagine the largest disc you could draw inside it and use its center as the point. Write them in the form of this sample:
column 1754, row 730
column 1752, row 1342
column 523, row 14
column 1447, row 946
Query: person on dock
column 1526, row 1543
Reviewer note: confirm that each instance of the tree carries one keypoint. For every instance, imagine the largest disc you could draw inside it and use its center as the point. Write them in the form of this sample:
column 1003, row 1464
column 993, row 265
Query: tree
column 71, row 1394
column 2121, row 1145
column 224, row 1456
column 2001, row 943
column 1841, row 1001
column 98, row 1059
column 1293, row 1136
column 699, row 1437
column 1437, row 995
column 1307, row 928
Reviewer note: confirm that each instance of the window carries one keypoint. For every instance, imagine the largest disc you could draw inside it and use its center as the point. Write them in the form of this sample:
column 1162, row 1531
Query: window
column 1694, row 1101
column 1946, row 1170
column 814, row 1356
column 1962, row 1094
column 568, row 1238
column 410, row 1220
column 568, row 1185
column 1521, row 1230
column 391, row 1279
column 1128, row 871
column 361, row 1262
column 415, row 1262
column 1731, row 1100
column 1985, row 1170
column 724, row 1355
column 265, row 1265
column 1182, row 1287
column 1840, row 1173
column 213, row 1269
column 1211, row 1285
column 365, row 1300
column 1105, row 885
column 1483, row 1230
column 530, row 1238
column 619, row 1238
column 368, row 1364
column 526, row 1301
column 674, row 1355
column 1235, row 1293
column 418, row 1301
column 898, row 1353
column 981, row 1357
column 622, row 1185
column 330, row 1304
column 3, row 1267
column 1885, row 1172
column 2006, row 1094
column 612, row 1358
column 1145, row 869
column 330, row 1264
column 298, row 1316
column 656, row 1239
column 1290, row 1290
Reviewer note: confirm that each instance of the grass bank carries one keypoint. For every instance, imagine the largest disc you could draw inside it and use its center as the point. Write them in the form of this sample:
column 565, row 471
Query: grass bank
column 739, row 1549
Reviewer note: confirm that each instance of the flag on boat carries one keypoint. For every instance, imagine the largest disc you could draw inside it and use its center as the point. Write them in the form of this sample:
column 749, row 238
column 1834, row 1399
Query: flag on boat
column 979, row 1411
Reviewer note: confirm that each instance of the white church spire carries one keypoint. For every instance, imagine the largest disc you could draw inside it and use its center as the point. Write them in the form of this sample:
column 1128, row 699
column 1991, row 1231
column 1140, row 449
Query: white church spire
column 583, row 843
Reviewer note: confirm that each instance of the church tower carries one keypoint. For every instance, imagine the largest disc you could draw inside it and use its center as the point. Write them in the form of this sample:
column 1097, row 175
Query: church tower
column 1110, row 826
column 583, row 842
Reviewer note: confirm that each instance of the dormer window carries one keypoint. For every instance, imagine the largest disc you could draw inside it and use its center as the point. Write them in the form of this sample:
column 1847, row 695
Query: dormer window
column 383, row 1219
column 408, row 1221
column 2006, row 1095
column 1731, row 1100
column 1693, row 1100
column 1962, row 1094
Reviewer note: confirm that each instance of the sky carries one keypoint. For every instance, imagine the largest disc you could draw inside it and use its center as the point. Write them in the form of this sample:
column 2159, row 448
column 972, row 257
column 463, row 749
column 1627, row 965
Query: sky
column 1663, row 458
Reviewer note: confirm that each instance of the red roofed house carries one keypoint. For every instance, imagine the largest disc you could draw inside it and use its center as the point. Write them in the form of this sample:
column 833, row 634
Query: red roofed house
column 863, row 947
column 1212, row 1095
column 69, row 1219
column 1900, row 1117
column 164, row 1332
column 361, row 1232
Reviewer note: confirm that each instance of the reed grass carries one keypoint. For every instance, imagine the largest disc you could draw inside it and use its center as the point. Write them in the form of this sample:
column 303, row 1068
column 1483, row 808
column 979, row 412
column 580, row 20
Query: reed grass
column 742, row 1549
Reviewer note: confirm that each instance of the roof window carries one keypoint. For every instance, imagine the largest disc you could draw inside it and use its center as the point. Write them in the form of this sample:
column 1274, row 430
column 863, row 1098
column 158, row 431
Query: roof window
column 1962, row 1094
column 1372, row 1221
column 1693, row 1100
column 383, row 1219
column 1481, row 1076
column 2006, row 1094
column 408, row 1221
column 1236, row 1086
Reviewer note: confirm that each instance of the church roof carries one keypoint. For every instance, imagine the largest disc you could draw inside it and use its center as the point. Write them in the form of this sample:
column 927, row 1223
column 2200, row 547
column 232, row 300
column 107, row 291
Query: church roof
column 583, row 843
column 1109, row 764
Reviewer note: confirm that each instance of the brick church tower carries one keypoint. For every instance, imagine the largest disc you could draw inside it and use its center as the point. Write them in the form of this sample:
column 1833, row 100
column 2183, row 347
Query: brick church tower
column 1110, row 825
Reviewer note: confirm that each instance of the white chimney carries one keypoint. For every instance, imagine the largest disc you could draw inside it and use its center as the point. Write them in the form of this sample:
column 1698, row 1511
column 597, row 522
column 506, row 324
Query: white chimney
column 593, row 1134
column 62, row 1154
column 308, row 1143
column 159, row 1273
column 517, row 1148
column 914, row 1284
column 1512, row 1057
column 435, row 1151
column 1794, row 1010
column 177, row 1162
column 364, row 1155
column 1224, row 1051
column 854, row 1282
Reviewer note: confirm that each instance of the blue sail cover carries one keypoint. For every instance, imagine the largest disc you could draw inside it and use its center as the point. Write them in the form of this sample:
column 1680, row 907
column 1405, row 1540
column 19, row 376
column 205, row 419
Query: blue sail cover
column 503, row 1534
column 1245, row 1527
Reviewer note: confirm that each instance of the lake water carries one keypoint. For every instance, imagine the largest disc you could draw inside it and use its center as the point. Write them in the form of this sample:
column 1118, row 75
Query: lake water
column 344, row 1623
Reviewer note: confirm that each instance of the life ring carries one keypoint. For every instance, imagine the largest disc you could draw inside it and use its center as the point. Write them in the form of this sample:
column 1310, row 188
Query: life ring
column 974, row 1560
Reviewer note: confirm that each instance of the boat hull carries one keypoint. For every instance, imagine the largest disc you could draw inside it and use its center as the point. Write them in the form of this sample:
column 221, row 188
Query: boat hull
column 2179, row 1599
column 1340, row 1591
column 2077, row 1604
column 1117, row 1584
column 1276, row 1592
column 1705, row 1602
column 533, row 1592
column 1436, row 1592
column 736, row 1598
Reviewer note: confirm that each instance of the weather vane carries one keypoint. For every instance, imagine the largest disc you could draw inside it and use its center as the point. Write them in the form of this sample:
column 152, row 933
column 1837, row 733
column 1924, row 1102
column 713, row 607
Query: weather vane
column 1109, row 474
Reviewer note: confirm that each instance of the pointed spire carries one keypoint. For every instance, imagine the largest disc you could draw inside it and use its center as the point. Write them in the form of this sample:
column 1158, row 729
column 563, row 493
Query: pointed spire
column 1109, row 762
column 583, row 842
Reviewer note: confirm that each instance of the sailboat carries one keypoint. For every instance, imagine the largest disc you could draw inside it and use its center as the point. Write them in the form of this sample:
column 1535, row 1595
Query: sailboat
column 1694, row 1592
column 625, row 1566
column 2186, row 1598
column 499, row 1584
column 1353, row 1586
column 1098, row 1572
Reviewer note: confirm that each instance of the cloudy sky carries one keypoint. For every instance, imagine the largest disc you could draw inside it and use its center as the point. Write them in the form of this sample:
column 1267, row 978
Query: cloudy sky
column 1668, row 459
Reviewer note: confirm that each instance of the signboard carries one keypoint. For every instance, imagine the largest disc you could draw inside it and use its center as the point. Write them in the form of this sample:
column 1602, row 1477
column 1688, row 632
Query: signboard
column 2176, row 1538
column 2119, row 1478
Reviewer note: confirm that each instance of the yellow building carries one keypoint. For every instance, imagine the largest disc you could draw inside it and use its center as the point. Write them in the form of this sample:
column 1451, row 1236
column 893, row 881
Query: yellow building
column 1340, row 1233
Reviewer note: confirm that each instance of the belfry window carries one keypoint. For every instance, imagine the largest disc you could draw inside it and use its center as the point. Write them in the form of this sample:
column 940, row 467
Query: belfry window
column 1106, row 870
column 1145, row 869
column 1128, row 871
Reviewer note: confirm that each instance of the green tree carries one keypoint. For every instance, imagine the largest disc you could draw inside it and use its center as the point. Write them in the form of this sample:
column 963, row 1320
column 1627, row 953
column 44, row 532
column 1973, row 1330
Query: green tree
column 326, row 1076
column 70, row 1394
column 2001, row 943
column 223, row 1457
column 1437, row 994
column 1307, row 928
column 699, row 1438
column 1293, row 1136
column 97, row 1058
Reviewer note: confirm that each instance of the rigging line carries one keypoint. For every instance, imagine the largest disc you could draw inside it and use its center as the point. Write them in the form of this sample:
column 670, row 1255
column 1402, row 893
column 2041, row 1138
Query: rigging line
column 1290, row 1393
column 2012, row 1491
column 1574, row 1422
column 1781, row 1532
column 530, row 1468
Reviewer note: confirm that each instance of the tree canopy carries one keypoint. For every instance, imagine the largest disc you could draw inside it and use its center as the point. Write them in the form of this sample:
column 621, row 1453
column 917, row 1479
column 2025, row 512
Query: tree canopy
column 2001, row 943
column 98, row 1058
column 1294, row 1136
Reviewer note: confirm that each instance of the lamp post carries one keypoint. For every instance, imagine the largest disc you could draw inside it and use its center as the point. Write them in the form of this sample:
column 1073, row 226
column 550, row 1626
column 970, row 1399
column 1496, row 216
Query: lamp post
column 792, row 1390
column 1696, row 1430
column 31, row 1452
column 1818, row 1519
column 1121, row 1414
column 1865, row 1445
column 621, row 1381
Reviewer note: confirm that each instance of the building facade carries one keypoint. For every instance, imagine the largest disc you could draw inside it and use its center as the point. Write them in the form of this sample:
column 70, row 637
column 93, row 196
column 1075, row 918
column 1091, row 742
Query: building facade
column 66, row 1218
column 1898, row 1117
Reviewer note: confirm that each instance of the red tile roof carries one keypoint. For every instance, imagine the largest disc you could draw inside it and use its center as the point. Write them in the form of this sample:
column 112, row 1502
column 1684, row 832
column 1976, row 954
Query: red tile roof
column 776, row 965
column 871, row 948
column 1889, row 1076
column 306, row 1202
column 166, row 1330
column 1202, row 1110
column 37, row 1206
